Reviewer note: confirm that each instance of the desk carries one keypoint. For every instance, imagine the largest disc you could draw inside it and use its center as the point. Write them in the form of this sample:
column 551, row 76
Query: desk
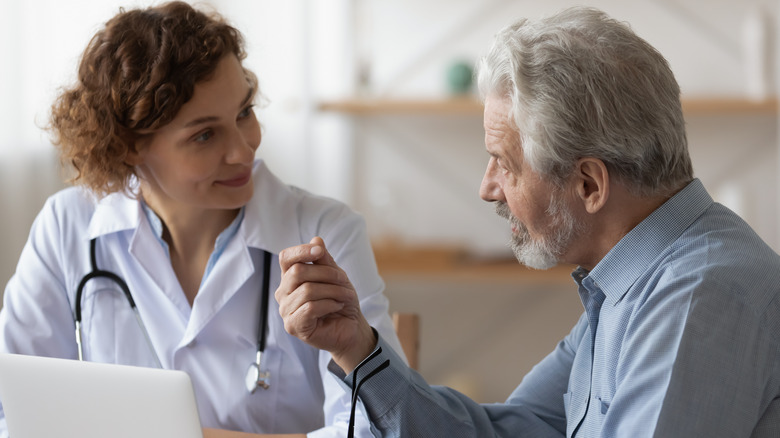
column 218, row 433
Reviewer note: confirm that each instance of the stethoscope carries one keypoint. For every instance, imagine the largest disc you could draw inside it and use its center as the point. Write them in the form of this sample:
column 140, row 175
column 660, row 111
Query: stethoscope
column 255, row 378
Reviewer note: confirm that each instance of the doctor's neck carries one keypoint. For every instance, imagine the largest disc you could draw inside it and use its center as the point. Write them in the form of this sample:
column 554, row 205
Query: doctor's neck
column 190, row 233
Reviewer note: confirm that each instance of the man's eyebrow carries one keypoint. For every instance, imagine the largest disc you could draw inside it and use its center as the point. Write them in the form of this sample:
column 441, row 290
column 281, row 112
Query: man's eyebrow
column 201, row 120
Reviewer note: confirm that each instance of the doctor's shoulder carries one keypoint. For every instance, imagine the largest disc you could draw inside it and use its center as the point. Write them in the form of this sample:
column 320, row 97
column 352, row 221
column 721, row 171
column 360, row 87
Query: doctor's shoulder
column 327, row 217
column 70, row 211
column 71, row 204
column 62, row 220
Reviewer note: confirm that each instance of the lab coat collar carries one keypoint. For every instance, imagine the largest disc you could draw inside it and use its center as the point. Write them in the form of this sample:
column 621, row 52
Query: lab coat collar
column 113, row 213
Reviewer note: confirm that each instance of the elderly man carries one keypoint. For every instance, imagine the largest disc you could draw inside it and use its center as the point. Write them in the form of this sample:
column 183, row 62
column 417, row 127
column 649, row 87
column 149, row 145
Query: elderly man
column 680, row 336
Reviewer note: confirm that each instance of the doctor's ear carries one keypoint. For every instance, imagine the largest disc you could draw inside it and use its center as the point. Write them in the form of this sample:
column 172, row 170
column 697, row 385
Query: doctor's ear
column 133, row 159
column 135, row 156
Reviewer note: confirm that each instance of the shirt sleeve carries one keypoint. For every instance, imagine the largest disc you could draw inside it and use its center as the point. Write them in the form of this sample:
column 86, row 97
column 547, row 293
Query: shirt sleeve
column 400, row 403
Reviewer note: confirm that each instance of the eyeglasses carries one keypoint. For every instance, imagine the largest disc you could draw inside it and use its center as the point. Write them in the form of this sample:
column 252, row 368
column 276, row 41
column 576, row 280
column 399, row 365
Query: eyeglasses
column 356, row 386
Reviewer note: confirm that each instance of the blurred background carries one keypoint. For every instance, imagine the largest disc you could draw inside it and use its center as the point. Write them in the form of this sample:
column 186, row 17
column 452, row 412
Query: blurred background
column 368, row 101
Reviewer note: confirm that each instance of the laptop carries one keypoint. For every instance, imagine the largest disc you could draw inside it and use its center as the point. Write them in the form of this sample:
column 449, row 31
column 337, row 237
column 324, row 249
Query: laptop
column 46, row 397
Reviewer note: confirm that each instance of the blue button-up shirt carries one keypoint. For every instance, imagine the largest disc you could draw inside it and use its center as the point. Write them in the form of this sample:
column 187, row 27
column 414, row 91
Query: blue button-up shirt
column 680, row 338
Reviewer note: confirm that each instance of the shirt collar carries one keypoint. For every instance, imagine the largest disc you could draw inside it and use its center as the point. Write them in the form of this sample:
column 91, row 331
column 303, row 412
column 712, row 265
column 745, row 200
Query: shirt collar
column 632, row 255
column 219, row 245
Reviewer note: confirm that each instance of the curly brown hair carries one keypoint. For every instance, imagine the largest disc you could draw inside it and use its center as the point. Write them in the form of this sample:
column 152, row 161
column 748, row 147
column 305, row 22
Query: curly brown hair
column 134, row 76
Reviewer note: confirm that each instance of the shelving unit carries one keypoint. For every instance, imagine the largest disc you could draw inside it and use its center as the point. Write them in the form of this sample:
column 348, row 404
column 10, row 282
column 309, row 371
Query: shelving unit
column 394, row 260
column 465, row 105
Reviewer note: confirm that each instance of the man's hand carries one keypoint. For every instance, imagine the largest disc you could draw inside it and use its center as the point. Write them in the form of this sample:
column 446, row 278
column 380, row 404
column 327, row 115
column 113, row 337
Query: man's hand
column 319, row 305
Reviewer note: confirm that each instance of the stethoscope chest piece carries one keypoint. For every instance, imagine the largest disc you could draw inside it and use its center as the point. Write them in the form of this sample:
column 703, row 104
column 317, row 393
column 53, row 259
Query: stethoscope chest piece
column 256, row 378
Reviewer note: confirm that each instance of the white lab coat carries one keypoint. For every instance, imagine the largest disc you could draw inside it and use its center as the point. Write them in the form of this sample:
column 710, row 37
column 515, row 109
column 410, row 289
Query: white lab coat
column 215, row 339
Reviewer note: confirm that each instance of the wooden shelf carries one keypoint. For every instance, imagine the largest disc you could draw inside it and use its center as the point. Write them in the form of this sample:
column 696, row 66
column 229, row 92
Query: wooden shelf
column 456, row 264
column 466, row 105
column 729, row 106
column 455, row 105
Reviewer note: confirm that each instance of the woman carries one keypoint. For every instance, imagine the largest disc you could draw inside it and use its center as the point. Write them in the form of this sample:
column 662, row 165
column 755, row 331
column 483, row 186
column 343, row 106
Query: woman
column 160, row 130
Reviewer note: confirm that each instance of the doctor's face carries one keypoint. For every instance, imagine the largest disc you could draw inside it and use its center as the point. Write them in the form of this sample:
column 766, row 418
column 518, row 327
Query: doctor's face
column 203, row 158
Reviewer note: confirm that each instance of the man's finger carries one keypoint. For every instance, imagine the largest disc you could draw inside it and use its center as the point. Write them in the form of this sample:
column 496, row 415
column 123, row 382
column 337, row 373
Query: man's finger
column 305, row 253
column 310, row 292
column 325, row 257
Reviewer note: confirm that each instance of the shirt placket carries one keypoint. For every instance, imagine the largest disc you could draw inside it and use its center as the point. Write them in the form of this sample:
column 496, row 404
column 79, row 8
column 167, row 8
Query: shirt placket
column 592, row 299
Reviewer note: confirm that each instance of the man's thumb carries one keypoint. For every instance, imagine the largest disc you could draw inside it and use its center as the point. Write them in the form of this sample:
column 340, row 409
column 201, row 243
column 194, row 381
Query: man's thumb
column 325, row 258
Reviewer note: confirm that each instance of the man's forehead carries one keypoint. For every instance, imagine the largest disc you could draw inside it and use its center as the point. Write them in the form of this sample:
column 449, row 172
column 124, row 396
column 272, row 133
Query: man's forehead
column 498, row 118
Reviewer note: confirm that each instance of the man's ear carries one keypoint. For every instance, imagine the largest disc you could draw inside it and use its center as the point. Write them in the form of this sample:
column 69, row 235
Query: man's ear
column 592, row 183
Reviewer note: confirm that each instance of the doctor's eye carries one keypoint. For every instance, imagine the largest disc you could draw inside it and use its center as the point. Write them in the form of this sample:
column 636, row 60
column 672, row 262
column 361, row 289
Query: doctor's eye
column 203, row 136
column 246, row 112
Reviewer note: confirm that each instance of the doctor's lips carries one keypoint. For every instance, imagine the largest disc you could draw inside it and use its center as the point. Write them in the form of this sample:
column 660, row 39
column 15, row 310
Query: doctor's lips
column 238, row 181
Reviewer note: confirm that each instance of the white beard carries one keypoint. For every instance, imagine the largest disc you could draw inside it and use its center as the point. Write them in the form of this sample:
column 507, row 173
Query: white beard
column 547, row 251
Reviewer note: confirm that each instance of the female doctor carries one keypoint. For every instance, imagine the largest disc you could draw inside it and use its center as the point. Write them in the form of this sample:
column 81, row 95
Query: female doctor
column 171, row 205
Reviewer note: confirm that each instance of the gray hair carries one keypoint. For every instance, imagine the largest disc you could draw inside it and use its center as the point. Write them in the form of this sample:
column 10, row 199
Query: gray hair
column 585, row 85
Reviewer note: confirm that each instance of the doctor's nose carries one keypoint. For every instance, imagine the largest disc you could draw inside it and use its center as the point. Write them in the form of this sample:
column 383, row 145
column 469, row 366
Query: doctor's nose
column 241, row 147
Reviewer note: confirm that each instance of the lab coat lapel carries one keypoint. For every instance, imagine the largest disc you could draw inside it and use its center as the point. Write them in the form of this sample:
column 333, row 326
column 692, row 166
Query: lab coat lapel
column 150, row 254
column 270, row 223
column 117, row 212
column 231, row 272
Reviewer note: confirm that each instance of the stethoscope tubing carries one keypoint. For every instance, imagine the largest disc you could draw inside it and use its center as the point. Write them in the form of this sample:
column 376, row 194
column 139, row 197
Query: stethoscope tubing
column 262, row 323
column 98, row 273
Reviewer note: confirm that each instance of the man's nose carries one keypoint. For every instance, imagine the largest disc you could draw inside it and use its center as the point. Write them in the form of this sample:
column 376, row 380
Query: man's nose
column 490, row 189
